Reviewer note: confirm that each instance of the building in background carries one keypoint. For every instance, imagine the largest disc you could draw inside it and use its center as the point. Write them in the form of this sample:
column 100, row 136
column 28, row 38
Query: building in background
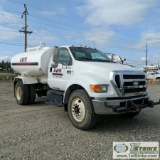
column 150, row 68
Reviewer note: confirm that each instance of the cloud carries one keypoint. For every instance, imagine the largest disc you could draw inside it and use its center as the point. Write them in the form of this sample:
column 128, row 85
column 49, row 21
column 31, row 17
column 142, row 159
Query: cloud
column 115, row 12
column 152, row 39
column 97, row 36
column 11, row 23
column 5, row 58
column 101, row 36
column 47, row 13
column 143, row 59
column 52, row 13
column 8, row 25
column 39, row 36
column 8, row 33
column 154, row 59
column 151, row 60
column 9, row 19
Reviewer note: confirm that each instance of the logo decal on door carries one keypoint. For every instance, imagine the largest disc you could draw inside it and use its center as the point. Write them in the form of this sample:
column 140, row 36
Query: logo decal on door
column 57, row 72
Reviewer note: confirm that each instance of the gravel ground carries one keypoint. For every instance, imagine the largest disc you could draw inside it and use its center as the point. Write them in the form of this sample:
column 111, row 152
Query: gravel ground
column 44, row 132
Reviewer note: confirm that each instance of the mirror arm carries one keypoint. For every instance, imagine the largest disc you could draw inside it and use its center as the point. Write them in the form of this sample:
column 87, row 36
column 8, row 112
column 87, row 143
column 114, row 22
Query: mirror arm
column 64, row 64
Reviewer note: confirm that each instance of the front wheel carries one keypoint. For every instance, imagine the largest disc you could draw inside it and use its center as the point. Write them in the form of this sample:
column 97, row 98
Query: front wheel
column 80, row 110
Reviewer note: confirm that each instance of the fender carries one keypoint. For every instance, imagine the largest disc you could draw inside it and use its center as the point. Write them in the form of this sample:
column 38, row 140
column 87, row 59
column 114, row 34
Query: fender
column 27, row 80
column 86, row 79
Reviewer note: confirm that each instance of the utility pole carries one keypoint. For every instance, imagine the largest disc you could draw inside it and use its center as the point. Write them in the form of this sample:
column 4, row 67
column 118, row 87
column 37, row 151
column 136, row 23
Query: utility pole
column 146, row 54
column 25, row 13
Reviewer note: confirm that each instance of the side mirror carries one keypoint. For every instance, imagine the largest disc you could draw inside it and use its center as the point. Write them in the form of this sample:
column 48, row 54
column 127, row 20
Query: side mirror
column 54, row 62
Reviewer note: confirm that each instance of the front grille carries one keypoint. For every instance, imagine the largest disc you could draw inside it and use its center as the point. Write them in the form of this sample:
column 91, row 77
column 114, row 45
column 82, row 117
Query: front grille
column 133, row 76
column 132, row 90
column 130, row 83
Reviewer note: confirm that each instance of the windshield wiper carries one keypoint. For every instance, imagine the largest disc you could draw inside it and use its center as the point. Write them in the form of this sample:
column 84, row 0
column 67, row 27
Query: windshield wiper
column 101, row 60
column 85, row 59
column 96, row 59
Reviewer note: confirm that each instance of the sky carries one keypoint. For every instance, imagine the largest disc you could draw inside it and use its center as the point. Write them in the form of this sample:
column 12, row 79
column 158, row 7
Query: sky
column 121, row 27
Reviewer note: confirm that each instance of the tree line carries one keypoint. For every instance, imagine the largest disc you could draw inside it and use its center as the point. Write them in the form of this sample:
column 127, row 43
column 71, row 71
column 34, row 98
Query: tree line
column 5, row 67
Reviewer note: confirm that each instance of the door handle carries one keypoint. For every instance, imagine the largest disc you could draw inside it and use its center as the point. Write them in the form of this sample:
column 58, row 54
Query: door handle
column 50, row 69
column 69, row 71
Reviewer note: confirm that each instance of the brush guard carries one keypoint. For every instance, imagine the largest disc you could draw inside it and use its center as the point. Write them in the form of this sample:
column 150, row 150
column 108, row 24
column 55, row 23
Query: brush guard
column 131, row 106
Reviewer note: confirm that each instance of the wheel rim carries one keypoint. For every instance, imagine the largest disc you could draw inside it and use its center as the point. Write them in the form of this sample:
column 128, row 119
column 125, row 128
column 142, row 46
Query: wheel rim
column 18, row 93
column 78, row 109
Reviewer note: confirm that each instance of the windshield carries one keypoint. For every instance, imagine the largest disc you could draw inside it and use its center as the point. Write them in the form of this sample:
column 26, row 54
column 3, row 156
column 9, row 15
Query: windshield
column 89, row 54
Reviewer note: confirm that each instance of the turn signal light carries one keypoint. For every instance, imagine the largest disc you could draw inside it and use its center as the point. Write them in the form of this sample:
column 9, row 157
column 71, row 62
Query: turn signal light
column 98, row 88
column 95, row 88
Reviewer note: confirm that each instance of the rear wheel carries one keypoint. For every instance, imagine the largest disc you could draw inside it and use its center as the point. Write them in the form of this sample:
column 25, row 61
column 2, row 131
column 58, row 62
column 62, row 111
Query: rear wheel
column 32, row 92
column 22, row 93
column 80, row 110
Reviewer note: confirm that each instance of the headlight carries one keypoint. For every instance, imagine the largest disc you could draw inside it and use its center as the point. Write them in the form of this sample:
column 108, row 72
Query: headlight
column 98, row 88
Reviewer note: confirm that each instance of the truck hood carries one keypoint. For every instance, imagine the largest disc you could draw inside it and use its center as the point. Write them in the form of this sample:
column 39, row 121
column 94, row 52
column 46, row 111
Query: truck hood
column 103, row 67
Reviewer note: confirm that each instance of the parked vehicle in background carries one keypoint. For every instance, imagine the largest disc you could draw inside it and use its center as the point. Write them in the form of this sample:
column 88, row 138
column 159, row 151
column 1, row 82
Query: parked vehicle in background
column 158, row 71
column 153, row 75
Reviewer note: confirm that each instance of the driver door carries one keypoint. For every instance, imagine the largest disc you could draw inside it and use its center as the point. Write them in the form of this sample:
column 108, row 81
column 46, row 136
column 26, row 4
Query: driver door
column 58, row 77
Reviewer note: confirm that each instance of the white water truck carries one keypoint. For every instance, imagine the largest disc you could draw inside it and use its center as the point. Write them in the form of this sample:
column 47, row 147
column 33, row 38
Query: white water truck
column 83, row 80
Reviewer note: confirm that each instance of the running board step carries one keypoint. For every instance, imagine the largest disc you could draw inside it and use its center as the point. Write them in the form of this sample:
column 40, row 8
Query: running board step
column 55, row 98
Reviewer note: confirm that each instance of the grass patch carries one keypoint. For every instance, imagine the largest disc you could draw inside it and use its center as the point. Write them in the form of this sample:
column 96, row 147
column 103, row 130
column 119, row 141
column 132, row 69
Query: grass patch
column 151, row 81
column 8, row 78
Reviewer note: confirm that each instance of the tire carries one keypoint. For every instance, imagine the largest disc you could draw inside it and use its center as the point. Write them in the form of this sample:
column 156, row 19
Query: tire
column 32, row 95
column 158, row 78
column 131, row 114
column 22, row 93
column 80, row 110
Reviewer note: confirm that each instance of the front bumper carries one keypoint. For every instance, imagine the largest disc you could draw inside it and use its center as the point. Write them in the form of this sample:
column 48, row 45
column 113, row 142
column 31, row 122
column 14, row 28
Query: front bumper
column 121, row 105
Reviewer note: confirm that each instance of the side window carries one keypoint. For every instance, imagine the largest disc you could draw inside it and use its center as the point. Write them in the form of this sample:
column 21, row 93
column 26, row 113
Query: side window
column 64, row 57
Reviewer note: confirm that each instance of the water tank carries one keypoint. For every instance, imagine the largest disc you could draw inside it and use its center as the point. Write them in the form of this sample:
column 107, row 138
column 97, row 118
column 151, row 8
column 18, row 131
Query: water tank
column 34, row 62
